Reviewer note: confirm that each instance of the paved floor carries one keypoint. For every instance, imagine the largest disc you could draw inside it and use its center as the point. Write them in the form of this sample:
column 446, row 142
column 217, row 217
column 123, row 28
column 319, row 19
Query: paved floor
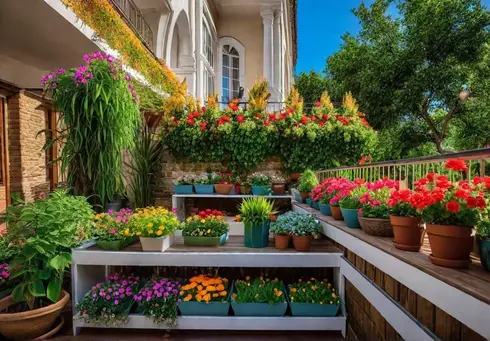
column 139, row 335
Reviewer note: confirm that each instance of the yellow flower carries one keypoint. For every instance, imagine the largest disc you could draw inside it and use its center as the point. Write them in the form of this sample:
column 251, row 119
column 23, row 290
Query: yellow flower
column 238, row 217
column 198, row 298
column 181, row 293
column 331, row 302
column 138, row 233
column 275, row 289
column 278, row 293
column 149, row 225
column 150, row 231
column 161, row 227
column 207, row 297
column 215, row 295
column 294, row 289
column 199, row 288
column 208, row 231
column 159, row 233
column 256, row 295
column 223, row 293
column 193, row 285
column 308, row 282
column 333, row 295
column 188, row 298
column 292, row 298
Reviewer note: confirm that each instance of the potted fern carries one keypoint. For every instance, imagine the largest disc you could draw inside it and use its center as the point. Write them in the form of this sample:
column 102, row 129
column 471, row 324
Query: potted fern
column 256, row 214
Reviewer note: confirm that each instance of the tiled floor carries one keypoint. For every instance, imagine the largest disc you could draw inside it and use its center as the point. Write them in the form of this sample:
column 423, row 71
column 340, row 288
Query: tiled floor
column 138, row 335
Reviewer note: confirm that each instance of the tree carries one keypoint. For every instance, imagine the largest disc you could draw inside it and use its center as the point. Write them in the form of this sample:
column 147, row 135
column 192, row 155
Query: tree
column 407, row 67
column 311, row 85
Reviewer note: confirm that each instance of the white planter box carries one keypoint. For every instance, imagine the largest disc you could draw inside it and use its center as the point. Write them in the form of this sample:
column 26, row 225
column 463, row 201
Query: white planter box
column 159, row 244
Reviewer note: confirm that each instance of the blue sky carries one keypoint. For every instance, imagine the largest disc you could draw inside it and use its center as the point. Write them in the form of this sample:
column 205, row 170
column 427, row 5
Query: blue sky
column 321, row 24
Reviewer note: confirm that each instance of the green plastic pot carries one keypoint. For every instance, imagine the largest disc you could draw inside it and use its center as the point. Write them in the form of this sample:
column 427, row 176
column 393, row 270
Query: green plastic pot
column 351, row 217
column 256, row 236
column 315, row 205
column 113, row 244
column 314, row 309
column 309, row 201
column 259, row 309
column 205, row 241
column 484, row 250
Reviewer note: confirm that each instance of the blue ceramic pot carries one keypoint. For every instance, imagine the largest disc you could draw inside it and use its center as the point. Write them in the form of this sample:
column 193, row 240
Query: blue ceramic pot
column 484, row 250
column 259, row 309
column 297, row 197
column 325, row 209
column 256, row 236
column 309, row 201
column 351, row 217
column 204, row 189
column 260, row 190
column 315, row 205
column 194, row 308
column 314, row 309
column 183, row 189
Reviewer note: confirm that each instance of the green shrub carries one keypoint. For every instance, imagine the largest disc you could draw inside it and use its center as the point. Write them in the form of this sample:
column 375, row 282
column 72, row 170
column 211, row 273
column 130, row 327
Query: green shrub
column 307, row 181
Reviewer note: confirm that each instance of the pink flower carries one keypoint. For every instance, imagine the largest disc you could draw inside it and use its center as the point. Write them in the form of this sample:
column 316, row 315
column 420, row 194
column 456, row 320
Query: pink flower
column 116, row 302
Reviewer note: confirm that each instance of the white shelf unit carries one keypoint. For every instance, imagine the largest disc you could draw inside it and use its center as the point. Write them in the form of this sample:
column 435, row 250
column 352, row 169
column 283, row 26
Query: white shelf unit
column 91, row 266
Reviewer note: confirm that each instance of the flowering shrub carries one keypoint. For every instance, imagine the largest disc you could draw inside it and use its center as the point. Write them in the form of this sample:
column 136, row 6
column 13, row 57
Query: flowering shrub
column 321, row 192
column 205, row 289
column 259, row 179
column 153, row 222
column 112, row 226
column 313, row 291
column 400, row 203
column 298, row 224
column 445, row 203
column 375, row 200
column 208, row 223
column 158, row 300
column 109, row 302
column 99, row 111
column 258, row 290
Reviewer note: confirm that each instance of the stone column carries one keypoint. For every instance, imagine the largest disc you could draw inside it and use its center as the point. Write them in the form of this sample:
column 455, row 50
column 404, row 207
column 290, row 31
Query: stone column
column 277, row 52
column 199, row 33
column 267, row 14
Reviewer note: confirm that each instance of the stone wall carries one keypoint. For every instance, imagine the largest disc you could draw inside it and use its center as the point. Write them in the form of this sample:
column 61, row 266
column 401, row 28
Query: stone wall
column 28, row 172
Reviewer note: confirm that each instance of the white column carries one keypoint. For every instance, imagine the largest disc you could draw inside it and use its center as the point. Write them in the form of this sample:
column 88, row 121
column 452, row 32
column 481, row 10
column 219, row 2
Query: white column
column 267, row 14
column 198, row 48
column 277, row 51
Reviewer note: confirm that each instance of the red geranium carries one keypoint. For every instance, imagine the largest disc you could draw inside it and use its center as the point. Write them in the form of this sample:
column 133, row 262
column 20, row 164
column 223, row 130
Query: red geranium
column 240, row 118
column 456, row 165
column 190, row 121
column 452, row 206
column 202, row 127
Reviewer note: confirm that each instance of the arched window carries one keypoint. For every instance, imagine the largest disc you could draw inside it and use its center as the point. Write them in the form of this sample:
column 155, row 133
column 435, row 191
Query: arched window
column 232, row 68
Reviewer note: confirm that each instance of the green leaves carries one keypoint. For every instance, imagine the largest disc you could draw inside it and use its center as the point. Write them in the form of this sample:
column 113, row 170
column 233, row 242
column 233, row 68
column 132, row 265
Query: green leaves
column 54, row 289
column 36, row 288
column 61, row 262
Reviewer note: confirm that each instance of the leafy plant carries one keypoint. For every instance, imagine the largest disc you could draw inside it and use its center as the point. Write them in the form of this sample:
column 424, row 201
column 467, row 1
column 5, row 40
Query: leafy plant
column 100, row 115
column 259, row 290
column 146, row 156
column 483, row 228
column 299, row 224
column 279, row 227
column 256, row 210
column 207, row 179
column 208, row 223
column 313, row 291
column 47, row 230
column 158, row 300
column 307, row 181
column 205, row 289
column 259, row 179
column 153, row 222
column 400, row 204
column 375, row 200
column 353, row 199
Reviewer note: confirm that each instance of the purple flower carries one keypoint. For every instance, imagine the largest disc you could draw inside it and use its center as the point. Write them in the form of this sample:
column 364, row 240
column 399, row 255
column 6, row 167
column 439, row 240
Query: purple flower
column 121, row 296
column 93, row 288
column 165, row 294
column 109, row 290
column 127, row 77
column 94, row 295
column 121, row 290
column 175, row 292
column 86, row 58
column 111, row 212
column 116, row 302
column 108, row 297
column 60, row 71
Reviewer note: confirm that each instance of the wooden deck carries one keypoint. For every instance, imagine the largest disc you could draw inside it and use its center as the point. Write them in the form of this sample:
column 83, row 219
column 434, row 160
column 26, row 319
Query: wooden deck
column 474, row 281
column 235, row 244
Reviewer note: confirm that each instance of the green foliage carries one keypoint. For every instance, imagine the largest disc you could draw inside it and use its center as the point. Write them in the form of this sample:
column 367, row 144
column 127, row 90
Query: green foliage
column 47, row 230
column 352, row 201
column 313, row 291
column 100, row 116
column 259, row 290
column 415, row 63
column 256, row 210
column 381, row 211
column 297, row 224
column 149, row 99
column 307, row 181
column 311, row 86
column 483, row 228
column 403, row 209
column 145, row 160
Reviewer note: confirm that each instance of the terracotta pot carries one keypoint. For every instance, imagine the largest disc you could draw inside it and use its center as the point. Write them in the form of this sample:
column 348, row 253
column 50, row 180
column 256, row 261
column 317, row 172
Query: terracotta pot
column 451, row 245
column 302, row 243
column 279, row 188
column 408, row 232
column 336, row 212
column 304, row 195
column 30, row 324
column 376, row 226
column 282, row 242
column 223, row 188
column 294, row 176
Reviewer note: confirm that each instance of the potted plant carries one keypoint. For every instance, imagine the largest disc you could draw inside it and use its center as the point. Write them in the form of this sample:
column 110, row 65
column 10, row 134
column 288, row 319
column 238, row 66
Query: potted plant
column 337, row 188
column 158, row 300
column 183, row 184
column 260, row 183
column 154, row 226
column 258, row 297
column 307, row 182
column 304, row 227
column 483, row 241
column 350, row 205
column 407, row 228
column 207, row 228
column 281, row 229
column 111, row 230
column 204, row 184
column 205, row 296
column 47, row 230
column 256, row 214
column 224, row 184
column 373, row 216
column 450, row 211
column 245, row 188
column 278, row 184
column 110, row 302
column 313, row 298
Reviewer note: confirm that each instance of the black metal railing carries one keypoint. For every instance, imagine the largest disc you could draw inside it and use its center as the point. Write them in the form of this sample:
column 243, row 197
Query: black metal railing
column 135, row 19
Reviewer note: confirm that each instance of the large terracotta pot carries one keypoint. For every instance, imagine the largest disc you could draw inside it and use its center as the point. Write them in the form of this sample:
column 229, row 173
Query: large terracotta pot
column 304, row 195
column 302, row 243
column 279, row 188
column 451, row 245
column 336, row 212
column 282, row 242
column 223, row 188
column 376, row 226
column 30, row 324
column 408, row 232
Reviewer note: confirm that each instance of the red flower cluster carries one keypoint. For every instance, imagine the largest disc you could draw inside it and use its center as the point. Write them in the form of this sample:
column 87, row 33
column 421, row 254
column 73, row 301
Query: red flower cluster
column 365, row 159
column 344, row 120
column 223, row 119
column 207, row 213
column 456, row 165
